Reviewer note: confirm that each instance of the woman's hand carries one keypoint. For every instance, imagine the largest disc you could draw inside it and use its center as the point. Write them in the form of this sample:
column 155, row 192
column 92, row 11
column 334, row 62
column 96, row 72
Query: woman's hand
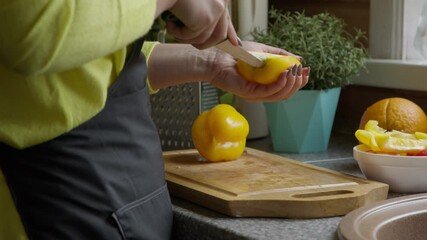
column 224, row 76
column 188, row 64
column 204, row 23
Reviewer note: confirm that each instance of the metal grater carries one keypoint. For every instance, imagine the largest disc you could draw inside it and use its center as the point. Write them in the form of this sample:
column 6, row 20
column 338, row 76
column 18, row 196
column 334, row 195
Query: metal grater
column 175, row 108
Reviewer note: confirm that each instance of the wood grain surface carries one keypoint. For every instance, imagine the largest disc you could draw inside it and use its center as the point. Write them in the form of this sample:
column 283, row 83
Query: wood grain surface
column 261, row 184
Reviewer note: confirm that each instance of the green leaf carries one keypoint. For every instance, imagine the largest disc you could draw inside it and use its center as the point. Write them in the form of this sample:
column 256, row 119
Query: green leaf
column 333, row 54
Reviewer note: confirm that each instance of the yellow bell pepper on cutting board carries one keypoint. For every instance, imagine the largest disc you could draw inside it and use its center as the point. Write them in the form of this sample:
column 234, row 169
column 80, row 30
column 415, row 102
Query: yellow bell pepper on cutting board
column 220, row 133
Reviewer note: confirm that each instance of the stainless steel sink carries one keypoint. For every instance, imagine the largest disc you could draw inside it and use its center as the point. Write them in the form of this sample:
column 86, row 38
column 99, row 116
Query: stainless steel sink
column 397, row 218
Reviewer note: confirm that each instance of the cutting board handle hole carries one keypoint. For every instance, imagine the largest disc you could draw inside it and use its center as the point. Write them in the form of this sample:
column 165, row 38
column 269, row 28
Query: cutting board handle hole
column 322, row 194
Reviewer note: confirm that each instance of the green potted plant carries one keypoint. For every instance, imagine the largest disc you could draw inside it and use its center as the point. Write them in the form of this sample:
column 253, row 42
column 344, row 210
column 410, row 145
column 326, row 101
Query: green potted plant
column 304, row 122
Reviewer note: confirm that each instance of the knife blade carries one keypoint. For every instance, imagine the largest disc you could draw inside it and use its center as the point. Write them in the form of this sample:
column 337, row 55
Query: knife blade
column 240, row 53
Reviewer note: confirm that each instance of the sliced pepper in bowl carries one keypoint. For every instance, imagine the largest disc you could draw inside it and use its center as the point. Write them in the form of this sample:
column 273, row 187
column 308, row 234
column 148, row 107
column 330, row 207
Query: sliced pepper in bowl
column 381, row 141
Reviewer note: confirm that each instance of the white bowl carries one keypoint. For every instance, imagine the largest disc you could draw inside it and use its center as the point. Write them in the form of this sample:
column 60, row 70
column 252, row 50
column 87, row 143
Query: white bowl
column 403, row 174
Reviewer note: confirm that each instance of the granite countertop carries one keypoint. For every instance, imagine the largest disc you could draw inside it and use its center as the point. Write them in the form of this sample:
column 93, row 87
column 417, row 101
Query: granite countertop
column 192, row 221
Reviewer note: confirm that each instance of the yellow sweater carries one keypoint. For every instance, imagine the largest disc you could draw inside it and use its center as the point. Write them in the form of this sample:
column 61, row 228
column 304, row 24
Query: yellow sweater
column 57, row 60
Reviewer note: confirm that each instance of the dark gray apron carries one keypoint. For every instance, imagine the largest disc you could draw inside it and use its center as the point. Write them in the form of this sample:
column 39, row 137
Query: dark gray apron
column 104, row 179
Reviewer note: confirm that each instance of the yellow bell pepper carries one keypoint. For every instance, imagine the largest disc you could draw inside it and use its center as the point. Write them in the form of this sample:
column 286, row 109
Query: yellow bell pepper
column 220, row 133
column 273, row 65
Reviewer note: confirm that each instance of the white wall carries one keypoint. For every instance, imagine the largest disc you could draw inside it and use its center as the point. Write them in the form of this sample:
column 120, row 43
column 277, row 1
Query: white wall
column 249, row 14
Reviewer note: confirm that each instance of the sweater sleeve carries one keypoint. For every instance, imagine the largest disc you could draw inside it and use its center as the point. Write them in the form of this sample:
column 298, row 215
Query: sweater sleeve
column 44, row 36
column 147, row 48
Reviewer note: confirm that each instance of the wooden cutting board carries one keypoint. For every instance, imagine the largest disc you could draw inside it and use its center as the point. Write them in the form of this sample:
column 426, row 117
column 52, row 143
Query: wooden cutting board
column 261, row 184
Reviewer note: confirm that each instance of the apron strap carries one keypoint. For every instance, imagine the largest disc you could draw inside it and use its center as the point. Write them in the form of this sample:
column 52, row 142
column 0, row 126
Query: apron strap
column 135, row 52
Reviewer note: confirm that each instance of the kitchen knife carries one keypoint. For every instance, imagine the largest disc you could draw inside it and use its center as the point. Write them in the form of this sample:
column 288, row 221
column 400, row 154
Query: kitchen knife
column 239, row 53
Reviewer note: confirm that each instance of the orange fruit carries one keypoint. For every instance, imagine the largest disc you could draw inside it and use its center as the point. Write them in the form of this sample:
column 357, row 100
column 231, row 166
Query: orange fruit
column 396, row 114
column 274, row 65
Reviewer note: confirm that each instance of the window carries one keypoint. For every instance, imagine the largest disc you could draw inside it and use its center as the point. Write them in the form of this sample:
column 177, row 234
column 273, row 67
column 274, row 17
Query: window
column 394, row 61
column 393, row 24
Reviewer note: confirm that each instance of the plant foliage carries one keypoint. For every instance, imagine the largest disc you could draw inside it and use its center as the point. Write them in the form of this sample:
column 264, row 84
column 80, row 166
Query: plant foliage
column 333, row 55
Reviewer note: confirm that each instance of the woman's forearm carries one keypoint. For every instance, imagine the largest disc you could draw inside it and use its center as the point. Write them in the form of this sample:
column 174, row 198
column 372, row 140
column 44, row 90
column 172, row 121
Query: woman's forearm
column 172, row 64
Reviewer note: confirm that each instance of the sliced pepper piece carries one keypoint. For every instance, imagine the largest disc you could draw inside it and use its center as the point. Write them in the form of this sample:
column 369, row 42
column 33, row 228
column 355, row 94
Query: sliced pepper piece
column 220, row 133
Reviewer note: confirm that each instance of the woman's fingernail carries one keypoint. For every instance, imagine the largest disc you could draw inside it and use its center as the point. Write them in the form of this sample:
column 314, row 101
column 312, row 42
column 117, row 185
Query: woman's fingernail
column 294, row 69
column 289, row 74
column 239, row 41
column 308, row 71
column 299, row 70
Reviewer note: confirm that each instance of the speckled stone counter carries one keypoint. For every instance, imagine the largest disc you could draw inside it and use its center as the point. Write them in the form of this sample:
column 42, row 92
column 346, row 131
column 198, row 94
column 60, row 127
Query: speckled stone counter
column 192, row 221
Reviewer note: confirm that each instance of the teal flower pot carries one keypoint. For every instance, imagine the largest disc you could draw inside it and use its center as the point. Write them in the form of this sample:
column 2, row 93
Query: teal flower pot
column 303, row 124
